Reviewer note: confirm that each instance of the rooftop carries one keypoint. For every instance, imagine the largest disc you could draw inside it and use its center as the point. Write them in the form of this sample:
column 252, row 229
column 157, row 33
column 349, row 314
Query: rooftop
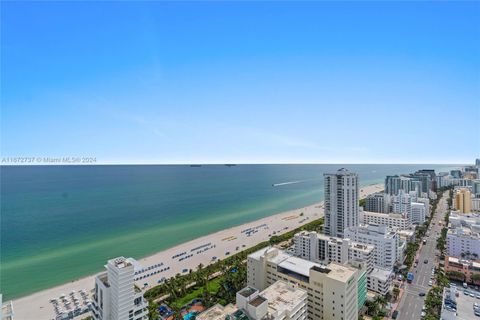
column 380, row 274
column 340, row 272
column 258, row 300
column 385, row 215
column 282, row 297
column 217, row 312
column 297, row 265
column 247, row 291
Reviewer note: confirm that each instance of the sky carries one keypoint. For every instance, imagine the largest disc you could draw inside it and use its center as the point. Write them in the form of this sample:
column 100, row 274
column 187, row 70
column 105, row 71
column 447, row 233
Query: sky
column 241, row 82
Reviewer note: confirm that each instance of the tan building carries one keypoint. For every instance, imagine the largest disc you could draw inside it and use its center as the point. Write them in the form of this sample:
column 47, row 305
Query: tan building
column 333, row 290
column 463, row 200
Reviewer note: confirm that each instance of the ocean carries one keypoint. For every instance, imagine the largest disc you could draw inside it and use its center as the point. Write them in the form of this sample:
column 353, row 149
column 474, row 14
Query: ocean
column 61, row 223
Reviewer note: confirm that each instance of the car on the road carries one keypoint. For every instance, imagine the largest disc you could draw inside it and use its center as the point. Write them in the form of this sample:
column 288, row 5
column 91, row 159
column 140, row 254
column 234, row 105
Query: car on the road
column 425, row 261
column 423, row 314
column 430, row 283
column 395, row 314
column 422, row 294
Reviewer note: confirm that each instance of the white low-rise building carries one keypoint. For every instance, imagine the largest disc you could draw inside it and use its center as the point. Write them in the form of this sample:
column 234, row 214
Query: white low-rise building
column 116, row 297
column 385, row 240
column 463, row 240
column 380, row 280
column 324, row 249
column 391, row 220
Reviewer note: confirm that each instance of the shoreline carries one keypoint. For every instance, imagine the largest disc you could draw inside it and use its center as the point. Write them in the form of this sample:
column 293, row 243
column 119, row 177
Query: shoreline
column 202, row 250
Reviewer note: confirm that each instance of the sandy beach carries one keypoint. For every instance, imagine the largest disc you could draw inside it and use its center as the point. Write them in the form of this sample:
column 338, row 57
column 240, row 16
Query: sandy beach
column 181, row 258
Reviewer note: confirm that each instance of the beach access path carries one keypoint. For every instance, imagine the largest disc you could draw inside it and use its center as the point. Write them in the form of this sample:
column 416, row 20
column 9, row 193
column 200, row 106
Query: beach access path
column 37, row 305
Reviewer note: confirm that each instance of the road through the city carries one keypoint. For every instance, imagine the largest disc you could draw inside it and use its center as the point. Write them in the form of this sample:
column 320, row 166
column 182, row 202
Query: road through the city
column 410, row 306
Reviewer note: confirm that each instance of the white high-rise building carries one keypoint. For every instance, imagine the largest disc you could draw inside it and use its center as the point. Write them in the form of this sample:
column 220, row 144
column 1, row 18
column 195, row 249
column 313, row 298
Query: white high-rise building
column 385, row 240
column 116, row 296
column 341, row 202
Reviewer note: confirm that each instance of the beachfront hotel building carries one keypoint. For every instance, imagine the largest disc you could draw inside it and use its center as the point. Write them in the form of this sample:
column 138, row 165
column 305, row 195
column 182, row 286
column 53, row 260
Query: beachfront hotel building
column 386, row 241
column 341, row 202
column 391, row 220
column 333, row 290
column 116, row 297
column 280, row 301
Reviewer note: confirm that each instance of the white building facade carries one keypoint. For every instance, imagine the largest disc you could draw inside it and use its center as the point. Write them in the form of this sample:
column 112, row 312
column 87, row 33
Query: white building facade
column 341, row 202
column 385, row 240
column 116, row 297
column 391, row 220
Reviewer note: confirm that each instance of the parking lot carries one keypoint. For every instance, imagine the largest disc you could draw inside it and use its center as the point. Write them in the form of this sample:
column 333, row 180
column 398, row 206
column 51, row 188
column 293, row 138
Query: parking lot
column 465, row 303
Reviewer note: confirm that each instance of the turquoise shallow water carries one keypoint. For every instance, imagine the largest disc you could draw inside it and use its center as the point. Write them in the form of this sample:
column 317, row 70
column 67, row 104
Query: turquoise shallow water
column 60, row 223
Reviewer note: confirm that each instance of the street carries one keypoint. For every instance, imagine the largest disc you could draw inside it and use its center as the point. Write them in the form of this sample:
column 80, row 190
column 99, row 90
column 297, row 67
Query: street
column 410, row 306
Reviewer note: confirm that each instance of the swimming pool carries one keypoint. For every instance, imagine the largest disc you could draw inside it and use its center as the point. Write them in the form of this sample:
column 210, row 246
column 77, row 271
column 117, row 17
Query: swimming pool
column 190, row 315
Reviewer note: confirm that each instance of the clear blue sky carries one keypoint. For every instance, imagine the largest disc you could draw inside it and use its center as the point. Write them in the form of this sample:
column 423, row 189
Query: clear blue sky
column 215, row 82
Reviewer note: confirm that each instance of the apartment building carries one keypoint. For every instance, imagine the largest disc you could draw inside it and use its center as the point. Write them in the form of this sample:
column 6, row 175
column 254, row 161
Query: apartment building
column 377, row 202
column 385, row 240
column 463, row 240
column 280, row 301
column 418, row 213
column 332, row 289
column 116, row 297
column 391, row 220
column 324, row 249
column 463, row 200
column 341, row 202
